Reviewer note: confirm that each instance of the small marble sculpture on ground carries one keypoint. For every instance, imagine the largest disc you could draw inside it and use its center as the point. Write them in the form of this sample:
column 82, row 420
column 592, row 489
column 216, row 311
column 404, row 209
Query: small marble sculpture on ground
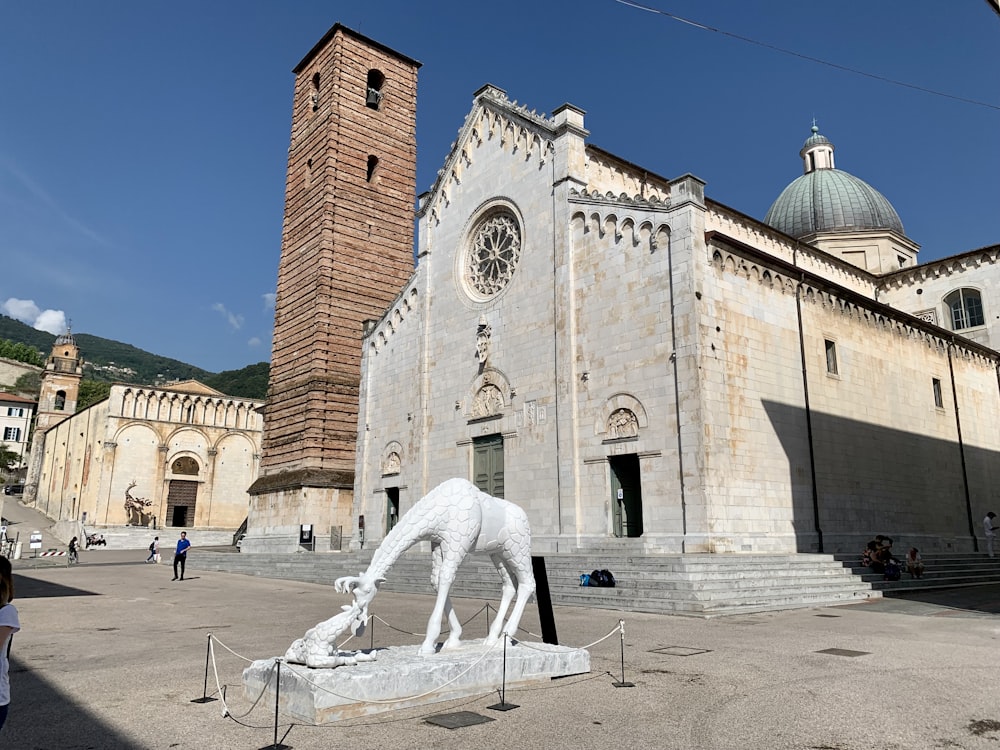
column 318, row 647
column 457, row 518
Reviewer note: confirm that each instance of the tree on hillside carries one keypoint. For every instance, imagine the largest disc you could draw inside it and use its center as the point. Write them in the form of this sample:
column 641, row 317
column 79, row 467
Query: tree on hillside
column 91, row 391
column 30, row 382
column 9, row 459
column 21, row 353
column 250, row 382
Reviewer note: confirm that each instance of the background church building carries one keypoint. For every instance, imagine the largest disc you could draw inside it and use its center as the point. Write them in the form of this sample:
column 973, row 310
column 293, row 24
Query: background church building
column 184, row 454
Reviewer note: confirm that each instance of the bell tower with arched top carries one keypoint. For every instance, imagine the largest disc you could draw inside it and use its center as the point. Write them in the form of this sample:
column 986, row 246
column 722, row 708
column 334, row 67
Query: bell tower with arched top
column 57, row 397
column 346, row 252
column 60, row 384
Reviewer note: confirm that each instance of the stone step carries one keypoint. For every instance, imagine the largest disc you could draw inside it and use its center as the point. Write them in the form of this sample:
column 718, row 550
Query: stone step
column 704, row 585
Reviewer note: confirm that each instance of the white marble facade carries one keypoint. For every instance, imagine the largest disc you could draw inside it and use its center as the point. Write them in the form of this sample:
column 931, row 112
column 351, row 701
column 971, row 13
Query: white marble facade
column 643, row 369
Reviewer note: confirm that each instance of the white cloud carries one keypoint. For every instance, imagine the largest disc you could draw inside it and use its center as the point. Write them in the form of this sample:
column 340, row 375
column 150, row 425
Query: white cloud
column 235, row 320
column 53, row 321
column 269, row 300
column 254, row 342
column 25, row 310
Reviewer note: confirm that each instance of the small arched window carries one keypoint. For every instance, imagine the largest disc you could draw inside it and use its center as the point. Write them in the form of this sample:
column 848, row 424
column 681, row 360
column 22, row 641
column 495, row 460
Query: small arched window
column 373, row 97
column 314, row 92
column 60, row 404
column 372, row 164
column 966, row 308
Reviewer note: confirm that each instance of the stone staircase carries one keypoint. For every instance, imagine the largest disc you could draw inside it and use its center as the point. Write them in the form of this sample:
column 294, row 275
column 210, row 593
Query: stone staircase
column 696, row 585
column 941, row 571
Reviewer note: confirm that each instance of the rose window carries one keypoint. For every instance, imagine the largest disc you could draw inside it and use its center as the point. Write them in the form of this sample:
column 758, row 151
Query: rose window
column 495, row 251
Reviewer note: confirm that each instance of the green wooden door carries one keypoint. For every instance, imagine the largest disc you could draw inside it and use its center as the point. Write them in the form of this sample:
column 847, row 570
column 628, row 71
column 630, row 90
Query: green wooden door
column 487, row 464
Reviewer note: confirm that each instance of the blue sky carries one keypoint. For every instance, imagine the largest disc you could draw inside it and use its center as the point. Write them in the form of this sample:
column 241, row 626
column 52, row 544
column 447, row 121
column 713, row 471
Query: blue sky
column 143, row 144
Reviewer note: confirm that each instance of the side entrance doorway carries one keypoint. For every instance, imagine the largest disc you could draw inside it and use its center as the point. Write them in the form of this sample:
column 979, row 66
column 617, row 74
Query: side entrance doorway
column 626, row 495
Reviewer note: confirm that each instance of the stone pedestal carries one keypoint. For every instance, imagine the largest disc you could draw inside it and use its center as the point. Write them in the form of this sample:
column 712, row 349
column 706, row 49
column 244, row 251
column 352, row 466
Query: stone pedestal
column 401, row 678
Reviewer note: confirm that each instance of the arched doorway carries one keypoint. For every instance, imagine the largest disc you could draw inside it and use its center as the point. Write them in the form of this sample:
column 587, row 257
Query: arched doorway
column 182, row 494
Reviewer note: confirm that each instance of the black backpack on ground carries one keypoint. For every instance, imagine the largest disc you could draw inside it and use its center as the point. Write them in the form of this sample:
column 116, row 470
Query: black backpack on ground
column 602, row 578
column 892, row 570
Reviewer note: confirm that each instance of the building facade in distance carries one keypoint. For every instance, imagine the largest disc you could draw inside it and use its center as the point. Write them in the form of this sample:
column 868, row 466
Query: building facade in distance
column 187, row 449
column 15, row 426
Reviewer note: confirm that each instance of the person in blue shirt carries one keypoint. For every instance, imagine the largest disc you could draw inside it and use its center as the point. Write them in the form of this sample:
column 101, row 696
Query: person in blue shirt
column 180, row 555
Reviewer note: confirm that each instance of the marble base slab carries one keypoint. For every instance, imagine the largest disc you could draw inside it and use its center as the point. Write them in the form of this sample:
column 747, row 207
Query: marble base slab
column 401, row 678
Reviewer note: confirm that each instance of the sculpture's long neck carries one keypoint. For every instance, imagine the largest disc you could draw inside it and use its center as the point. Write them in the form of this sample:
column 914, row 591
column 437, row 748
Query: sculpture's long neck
column 403, row 536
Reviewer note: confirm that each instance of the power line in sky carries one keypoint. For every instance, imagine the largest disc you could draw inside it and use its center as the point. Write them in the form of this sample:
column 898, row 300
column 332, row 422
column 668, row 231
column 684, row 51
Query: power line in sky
column 704, row 27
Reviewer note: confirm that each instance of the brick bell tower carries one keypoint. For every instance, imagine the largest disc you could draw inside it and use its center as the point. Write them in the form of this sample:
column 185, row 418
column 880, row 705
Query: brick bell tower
column 346, row 252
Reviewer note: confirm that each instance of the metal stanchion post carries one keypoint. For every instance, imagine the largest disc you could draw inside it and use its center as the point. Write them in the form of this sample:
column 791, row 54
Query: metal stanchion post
column 503, row 705
column 277, row 696
column 622, row 683
column 204, row 693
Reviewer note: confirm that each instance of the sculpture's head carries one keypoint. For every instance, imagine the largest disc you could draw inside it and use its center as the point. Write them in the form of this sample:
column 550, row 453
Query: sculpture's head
column 364, row 589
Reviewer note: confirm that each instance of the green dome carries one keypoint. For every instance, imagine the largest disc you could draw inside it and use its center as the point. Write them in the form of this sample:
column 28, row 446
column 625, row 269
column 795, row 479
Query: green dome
column 829, row 200
column 826, row 199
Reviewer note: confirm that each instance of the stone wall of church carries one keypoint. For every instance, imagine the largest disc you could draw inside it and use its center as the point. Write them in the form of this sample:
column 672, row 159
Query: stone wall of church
column 921, row 291
column 885, row 458
column 456, row 367
column 617, row 314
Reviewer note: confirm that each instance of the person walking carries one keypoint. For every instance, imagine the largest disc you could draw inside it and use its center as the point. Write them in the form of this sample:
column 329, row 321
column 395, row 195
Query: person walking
column 180, row 554
column 9, row 624
column 74, row 550
column 990, row 530
column 154, row 549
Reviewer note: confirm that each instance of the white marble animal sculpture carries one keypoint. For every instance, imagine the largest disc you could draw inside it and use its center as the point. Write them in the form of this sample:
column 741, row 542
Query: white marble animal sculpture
column 318, row 647
column 456, row 518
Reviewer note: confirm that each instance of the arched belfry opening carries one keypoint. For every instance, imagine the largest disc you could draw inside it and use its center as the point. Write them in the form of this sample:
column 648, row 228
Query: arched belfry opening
column 373, row 96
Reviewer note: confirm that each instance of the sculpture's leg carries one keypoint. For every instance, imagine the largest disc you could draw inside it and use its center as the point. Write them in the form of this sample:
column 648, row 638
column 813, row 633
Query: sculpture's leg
column 525, row 588
column 445, row 577
column 454, row 626
column 506, row 595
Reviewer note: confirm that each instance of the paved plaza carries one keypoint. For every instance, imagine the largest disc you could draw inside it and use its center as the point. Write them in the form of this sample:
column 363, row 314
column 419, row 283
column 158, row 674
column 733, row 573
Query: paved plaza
column 113, row 651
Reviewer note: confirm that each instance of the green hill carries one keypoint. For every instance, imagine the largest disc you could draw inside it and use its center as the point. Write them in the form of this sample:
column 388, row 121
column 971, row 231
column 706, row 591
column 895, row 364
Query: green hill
column 114, row 361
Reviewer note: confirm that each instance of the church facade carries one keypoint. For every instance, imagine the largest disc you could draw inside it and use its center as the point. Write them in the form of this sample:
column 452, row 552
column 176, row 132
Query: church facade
column 185, row 454
column 642, row 368
column 645, row 369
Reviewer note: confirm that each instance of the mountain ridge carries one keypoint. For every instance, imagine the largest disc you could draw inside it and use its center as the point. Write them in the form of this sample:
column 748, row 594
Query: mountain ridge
column 108, row 360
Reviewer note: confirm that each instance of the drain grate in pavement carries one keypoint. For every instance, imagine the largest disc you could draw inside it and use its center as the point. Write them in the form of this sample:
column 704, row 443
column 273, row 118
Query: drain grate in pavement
column 680, row 651
column 458, row 719
column 843, row 652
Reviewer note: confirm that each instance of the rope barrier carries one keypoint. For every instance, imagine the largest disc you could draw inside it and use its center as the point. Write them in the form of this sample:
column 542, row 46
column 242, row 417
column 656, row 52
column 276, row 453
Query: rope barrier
column 238, row 656
column 226, row 711
column 614, row 630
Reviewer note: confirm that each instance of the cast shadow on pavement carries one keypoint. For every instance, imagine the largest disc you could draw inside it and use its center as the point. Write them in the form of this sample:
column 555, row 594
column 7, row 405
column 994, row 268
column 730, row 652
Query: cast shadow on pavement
column 41, row 716
column 983, row 599
column 26, row 587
